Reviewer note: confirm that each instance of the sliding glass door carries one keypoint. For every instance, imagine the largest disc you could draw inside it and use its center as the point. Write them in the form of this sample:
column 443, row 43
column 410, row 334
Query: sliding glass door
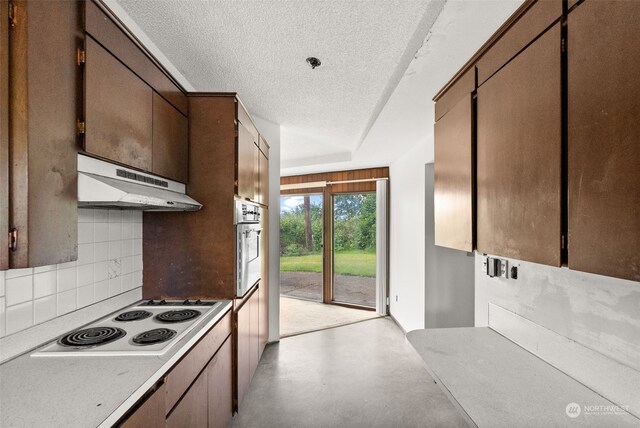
column 354, row 249
column 301, row 233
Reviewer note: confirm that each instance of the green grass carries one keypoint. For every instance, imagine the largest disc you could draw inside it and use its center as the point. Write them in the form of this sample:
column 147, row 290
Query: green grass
column 356, row 263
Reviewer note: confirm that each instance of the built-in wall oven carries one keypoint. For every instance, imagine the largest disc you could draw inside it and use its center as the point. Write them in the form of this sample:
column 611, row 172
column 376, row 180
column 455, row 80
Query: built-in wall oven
column 248, row 255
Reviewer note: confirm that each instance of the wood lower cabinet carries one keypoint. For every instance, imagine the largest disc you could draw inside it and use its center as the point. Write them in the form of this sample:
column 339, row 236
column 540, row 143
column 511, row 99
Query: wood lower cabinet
column 220, row 387
column 264, row 285
column 192, row 409
column 604, row 138
column 44, row 100
column 454, row 177
column 248, row 342
column 150, row 413
column 170, row 141
column 519, row 156
column 198, row 390
column 118, row 110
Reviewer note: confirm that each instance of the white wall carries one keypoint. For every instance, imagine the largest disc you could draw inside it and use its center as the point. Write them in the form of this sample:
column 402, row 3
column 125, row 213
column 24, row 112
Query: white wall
column 109, row 264
column 407, row 239
column 599, row 312
column 586, row 325
column 271, row 132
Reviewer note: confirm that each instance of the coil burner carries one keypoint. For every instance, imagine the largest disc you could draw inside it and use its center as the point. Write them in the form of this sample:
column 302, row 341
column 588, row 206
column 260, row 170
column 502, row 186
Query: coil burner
column 133, row 316
column 93, row 336
column 179, row 315
column 151, row 337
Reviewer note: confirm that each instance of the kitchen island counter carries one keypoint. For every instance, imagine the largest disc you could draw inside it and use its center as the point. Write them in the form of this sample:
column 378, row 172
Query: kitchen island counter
column 86, row 391
column 496, row 383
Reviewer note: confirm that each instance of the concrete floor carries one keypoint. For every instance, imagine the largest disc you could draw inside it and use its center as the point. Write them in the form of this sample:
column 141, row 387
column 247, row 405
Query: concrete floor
column 302, row 316
column 359, row 375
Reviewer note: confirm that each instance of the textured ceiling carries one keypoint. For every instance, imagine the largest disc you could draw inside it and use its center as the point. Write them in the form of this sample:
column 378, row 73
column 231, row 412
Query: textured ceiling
column 258, row 49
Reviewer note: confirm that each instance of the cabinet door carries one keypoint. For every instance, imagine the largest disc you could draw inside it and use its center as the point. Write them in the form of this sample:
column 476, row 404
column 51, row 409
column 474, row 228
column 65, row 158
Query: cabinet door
column 254, row 345
column 150, row 413
column 118, row 110
column 243, row 351
column 453, row 186
column 247, row 151
column 264, row 284
column 191, row 411
column 4, row 134
column 220, row 387
column 263, row 182
column 604, row 138
column 45, row 102
column 519, row 156
column 170, row 141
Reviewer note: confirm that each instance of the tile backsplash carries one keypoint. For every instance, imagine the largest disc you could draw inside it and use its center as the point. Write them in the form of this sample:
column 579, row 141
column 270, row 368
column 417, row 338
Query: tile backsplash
column 109, row 263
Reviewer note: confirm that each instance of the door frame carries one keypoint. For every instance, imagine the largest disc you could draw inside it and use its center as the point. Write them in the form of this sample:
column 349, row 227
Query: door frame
column 327, row 248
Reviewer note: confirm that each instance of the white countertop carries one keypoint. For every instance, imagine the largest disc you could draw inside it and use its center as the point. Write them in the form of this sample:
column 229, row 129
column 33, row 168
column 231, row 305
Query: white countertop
column 84, row 391
column 496, row 383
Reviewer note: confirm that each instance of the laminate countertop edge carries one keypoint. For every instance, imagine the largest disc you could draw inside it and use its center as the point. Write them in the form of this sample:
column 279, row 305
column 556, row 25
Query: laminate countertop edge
column 496, row 383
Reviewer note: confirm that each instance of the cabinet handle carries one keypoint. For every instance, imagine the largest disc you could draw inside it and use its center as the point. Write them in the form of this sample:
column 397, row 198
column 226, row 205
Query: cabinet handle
column 13, row 239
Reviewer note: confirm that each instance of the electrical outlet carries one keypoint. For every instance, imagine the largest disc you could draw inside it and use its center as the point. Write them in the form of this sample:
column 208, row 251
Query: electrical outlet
column 396, row 297
column 495, row 267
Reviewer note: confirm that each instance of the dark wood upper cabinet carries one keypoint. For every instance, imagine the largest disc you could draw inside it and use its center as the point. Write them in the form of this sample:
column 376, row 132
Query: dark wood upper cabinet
column 519, row 153
column 170, row 141
column 4, row 134
column 118, row 110
column 462, row 87
column 45, row 102
column 604, row 138
column 538, row 16
column 247, row 161
column 454, row 169
column 103, row 29
column 263, row 173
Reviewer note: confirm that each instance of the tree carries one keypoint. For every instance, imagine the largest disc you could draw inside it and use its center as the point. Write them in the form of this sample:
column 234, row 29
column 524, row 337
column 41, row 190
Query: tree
column 308, row 235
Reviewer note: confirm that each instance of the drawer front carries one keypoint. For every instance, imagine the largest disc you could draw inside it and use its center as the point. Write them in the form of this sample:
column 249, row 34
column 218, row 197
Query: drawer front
column 183, row 374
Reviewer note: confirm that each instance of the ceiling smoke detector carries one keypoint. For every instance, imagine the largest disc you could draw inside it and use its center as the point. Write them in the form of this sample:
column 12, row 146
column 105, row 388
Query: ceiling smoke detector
column 314, row 62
